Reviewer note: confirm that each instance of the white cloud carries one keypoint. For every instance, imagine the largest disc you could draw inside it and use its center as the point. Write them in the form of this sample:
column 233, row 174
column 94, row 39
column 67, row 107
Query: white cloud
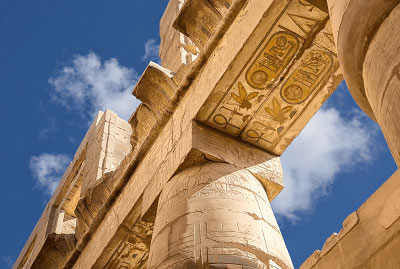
column 151, row 49
column 329, row 144
column 48, row 169
column 89, row 85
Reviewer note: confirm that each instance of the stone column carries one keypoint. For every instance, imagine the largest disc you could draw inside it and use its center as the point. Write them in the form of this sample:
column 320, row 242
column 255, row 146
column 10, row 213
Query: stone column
column 367, row 35
column 381, row 74
column 216, row 216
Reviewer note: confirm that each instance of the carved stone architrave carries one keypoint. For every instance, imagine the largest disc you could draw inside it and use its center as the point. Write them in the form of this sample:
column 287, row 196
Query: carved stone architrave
column 289, row 107
column 268, row 98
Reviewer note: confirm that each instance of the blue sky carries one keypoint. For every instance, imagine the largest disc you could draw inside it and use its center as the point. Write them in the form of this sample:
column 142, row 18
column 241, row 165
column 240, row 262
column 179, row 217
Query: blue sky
column 61, row 61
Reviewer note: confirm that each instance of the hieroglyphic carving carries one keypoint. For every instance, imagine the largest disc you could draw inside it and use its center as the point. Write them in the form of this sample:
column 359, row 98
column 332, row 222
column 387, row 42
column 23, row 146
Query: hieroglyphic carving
column 305, row 24
column 209, row 216
column 277, row 112
column 225, row 122
column 306, row 80
column 270, row 63
column 244, row 102
column 263, row 73
column 277, row 116
column 133, row 251
column 244, row 98
column 329, row 35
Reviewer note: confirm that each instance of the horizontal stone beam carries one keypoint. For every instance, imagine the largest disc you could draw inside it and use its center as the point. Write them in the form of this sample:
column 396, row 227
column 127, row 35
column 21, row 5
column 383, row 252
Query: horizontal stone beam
column 278, row 81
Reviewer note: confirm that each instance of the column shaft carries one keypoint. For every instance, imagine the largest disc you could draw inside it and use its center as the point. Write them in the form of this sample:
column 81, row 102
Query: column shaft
column 216, row 216
column 367, row 35
column 381, row 74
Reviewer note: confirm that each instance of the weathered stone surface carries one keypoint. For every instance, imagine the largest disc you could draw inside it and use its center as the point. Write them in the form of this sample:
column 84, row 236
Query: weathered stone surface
column 354, row 24
column 198, row 19
column 106, row 148
column 264, row 166
column 222, row 5
column 391, row 210
column 329, row 243
column 311, row 261
column 53, row 240
column 321, row 4
column 143, row 122
column 382, row 88
column 133, row 250
column 91, row 203
column 173, row 55
column 216, row 215
column 363, row 241
column 73, row 195
column 156, row 89
column 348, row 224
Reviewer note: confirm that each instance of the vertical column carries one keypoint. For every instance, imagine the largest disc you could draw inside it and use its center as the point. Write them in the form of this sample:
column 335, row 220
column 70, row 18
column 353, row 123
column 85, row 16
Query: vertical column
column 216, row 216
column 367, row 40
column 381, row 72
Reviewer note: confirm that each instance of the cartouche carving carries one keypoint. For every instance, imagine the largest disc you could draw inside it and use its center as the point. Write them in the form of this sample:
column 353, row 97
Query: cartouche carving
column 272, row 60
